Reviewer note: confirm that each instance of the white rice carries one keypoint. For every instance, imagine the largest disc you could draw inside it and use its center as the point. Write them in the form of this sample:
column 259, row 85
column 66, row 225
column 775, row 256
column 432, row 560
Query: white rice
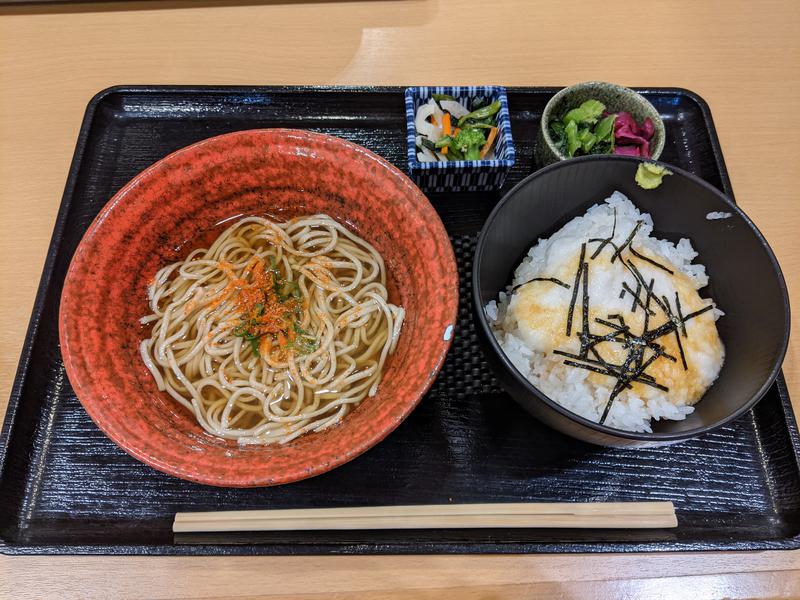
column 572, row 387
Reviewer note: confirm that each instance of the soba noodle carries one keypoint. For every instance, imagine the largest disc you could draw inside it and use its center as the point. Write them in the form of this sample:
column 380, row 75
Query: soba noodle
column 276, row 330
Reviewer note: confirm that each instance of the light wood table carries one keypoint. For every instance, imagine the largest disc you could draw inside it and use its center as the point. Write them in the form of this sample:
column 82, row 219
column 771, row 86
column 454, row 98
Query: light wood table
column 743, row 57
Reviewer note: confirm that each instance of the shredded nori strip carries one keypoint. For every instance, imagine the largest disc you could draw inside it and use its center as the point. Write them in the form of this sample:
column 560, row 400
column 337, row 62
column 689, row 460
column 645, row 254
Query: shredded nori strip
column 635, row 340
column 669, row 326
column 575, row 290
column 588, row 367
column 637, row 301
column 622, row 383
column 648, row 296
column 609, row 370
column 608, row 240
column 636, row 296
column 638, row 274
column 551, row 279
column 610, row 401
column 603, row 241
column 643, row 378
column 633, row 368
column 614, row 326
column 674, row 319
column 595, row 361
column 698, row 312
column 680, row 313
column 631, row 340
column 585, row 312
column 609, row 337
column 650, row 260
column 628, row 240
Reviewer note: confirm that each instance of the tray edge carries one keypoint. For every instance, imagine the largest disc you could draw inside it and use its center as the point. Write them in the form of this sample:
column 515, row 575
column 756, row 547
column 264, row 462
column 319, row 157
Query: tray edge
column 45, row 281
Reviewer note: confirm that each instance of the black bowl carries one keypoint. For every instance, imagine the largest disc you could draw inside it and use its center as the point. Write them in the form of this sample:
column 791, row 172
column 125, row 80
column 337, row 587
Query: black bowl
column 746, row 283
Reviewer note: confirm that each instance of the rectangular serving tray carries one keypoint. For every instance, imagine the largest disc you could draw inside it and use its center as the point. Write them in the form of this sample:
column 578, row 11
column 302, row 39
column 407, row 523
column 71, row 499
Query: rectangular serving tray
column 66, row 488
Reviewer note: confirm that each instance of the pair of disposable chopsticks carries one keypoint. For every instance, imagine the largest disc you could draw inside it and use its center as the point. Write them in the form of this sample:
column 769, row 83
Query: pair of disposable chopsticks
column 599, row 515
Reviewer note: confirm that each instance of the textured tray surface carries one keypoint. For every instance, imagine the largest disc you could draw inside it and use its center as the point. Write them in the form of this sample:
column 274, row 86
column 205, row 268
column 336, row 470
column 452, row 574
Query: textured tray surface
column 66, row 488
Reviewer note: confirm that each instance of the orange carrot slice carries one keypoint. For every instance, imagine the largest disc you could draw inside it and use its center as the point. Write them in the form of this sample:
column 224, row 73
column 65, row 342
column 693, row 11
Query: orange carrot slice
column 489, row 141
column 446, row 128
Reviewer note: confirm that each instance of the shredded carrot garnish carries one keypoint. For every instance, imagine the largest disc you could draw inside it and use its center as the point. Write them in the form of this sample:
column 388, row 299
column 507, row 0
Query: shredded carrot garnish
column 489, row 141
column 270, row 308
column 227, row 268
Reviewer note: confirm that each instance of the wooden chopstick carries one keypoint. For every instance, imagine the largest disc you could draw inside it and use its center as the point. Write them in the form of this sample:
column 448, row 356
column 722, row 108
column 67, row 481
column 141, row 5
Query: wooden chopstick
column 595, row 515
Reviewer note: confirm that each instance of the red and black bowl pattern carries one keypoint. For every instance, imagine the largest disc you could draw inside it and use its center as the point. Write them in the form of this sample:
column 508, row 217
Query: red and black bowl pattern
column 176, row 205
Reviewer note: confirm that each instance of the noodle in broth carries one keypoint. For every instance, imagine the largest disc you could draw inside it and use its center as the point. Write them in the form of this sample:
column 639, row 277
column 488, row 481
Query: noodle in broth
column 276, row 330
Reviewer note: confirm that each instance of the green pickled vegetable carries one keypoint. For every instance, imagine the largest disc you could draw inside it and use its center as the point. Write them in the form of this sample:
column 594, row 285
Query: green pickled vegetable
column 469, row 142
column 426, row 143
column 583, row 130
column 605, row 129
column 440, row 97
column 481, row 113
column 588, row 112
column 571, row 135
column 443, row 141
column 587, row 138
column 479, row 125
column 453, row 153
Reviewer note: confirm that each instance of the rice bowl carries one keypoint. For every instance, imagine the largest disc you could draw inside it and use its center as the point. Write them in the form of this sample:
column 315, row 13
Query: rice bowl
column 578, row 348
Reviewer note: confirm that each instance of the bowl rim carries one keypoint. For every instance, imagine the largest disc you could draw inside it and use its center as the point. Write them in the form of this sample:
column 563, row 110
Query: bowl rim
column 543, row 129
column 503, row 124
column 368, row 442
column 604, row 429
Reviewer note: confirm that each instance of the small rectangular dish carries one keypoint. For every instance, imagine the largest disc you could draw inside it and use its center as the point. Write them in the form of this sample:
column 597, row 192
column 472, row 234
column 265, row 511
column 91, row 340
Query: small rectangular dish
column 486, row 174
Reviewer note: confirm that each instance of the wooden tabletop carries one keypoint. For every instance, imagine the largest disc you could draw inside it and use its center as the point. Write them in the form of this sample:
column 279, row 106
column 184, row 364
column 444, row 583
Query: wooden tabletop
column 743, row 57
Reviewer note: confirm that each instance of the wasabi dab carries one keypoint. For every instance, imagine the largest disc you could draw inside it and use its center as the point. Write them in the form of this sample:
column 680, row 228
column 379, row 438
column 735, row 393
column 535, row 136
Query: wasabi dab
column 650, row 175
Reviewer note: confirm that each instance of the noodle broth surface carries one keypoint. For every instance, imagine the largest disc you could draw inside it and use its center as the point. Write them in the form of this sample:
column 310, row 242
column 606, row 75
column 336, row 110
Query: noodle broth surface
column 272, row 329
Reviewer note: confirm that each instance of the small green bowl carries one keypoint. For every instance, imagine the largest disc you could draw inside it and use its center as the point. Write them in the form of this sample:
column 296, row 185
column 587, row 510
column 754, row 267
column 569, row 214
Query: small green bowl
column 616, row 98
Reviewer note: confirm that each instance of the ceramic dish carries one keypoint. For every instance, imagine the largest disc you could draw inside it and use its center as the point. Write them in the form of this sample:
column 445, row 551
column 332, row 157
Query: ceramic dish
column 153, row 221
column 746, row 283
column 467, row 175
column 615, row 97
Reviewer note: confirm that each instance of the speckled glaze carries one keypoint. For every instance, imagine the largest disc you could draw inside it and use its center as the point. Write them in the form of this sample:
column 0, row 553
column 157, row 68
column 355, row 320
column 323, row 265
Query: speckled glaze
column 616, row 98
column 153, row 221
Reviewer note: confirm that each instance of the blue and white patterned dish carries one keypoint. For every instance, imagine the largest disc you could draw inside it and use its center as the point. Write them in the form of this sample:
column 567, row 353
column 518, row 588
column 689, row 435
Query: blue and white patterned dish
column 461, row 175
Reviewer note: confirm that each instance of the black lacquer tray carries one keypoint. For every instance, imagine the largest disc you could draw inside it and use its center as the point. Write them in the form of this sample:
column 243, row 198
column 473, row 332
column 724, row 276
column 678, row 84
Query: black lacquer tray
column 66, row 488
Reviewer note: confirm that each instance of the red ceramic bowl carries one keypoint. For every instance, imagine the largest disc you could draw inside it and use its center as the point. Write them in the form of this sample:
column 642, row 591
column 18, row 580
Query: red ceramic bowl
column 169, row 209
